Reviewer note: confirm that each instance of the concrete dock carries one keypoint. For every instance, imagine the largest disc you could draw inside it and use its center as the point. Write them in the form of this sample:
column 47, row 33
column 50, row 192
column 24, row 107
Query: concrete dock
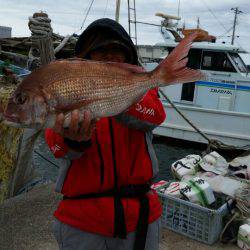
column 25, row 224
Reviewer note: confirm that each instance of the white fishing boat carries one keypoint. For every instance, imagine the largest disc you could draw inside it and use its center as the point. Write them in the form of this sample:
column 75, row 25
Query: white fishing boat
column 220, row 105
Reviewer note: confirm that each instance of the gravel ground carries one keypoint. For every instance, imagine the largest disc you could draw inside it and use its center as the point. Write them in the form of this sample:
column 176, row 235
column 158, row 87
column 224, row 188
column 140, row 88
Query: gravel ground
column 25, row 224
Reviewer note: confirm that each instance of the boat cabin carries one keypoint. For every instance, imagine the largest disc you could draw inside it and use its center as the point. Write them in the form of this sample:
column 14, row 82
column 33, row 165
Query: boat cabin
column 227, row 86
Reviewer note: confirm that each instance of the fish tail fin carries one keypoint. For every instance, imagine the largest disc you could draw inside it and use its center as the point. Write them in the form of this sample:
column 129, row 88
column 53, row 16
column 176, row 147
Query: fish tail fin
column 173, row 68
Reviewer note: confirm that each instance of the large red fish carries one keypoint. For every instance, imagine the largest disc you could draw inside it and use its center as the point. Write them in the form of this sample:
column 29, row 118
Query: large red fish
column 103, row 88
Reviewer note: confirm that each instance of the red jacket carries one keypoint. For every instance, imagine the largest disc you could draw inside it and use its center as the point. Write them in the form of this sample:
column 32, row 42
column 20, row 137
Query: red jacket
column 92, row 171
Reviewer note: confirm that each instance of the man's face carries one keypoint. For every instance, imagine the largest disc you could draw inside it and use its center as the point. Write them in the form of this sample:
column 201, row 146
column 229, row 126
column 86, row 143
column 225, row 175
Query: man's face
column 108, row 53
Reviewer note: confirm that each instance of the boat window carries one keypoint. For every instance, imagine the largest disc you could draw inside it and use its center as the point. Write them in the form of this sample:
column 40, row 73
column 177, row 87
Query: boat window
column 194, row 58
column 187, row 93
column 217, row 61
column 194, row 62
column 238, row 62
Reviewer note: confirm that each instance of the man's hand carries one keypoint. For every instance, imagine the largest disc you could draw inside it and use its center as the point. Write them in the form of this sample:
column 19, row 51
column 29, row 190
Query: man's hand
column 77, row 131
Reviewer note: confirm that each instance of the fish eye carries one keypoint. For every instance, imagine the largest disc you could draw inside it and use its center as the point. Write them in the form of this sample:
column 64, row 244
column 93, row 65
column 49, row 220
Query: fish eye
column 21, row 98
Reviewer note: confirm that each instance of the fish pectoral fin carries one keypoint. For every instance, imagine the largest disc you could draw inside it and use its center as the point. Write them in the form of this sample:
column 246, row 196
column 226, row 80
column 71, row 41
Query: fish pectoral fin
column 70, row 107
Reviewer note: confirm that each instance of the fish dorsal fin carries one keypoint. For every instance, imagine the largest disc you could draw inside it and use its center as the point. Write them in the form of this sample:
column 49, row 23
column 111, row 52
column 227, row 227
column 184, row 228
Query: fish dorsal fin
column 130, row 67
column 72, row 59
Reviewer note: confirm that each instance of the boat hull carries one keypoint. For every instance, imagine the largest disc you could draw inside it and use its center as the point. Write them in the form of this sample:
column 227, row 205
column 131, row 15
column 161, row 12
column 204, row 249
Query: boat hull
column 230, row 127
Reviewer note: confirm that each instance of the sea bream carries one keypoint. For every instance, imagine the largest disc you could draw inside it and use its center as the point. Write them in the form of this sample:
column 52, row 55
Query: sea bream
column 103, row 88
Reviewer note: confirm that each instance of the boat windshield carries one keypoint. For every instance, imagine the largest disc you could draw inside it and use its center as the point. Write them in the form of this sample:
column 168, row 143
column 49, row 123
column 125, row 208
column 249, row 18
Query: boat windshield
column 238, row 62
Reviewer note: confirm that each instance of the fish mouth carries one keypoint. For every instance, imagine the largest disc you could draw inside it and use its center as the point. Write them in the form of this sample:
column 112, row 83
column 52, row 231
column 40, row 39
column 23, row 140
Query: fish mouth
column 13, row 124
column 12, row 121
column 10, row 118
column 21, row 125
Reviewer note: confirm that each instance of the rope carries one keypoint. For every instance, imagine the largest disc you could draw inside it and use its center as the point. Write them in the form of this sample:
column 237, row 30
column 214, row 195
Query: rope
column 212, row 143
column 84, row 20
column 63, row 43
column 242, row 197
column 40, row 27
column 226, row 226
column 43, row 157
column 41, row 37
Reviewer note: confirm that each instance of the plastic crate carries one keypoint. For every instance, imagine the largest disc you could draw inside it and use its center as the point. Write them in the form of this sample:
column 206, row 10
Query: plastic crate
column 197, row 222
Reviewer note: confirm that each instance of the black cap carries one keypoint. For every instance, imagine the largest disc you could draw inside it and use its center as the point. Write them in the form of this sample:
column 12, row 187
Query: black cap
column 102, row 32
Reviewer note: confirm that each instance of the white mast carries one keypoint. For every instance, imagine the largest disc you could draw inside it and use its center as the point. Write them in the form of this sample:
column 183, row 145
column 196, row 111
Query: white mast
column 117, row 12
column 179, row 3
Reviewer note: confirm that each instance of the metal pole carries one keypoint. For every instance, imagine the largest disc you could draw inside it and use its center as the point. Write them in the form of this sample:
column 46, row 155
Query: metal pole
column 117, row 12
column 129, row 18
column 152, row 24
column 236, row 12
column 179, row 3
column 135, row 24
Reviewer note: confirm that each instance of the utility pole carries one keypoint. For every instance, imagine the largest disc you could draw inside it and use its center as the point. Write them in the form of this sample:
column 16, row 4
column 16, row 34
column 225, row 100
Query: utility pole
column 198, row 22
column 117, row 12
column 236, row 12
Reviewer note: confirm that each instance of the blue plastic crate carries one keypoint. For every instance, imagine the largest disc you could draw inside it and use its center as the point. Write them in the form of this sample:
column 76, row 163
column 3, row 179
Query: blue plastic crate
column 197, row 222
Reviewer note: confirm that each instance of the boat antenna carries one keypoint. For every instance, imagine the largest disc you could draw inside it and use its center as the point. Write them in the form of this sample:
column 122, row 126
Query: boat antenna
column 236, row 12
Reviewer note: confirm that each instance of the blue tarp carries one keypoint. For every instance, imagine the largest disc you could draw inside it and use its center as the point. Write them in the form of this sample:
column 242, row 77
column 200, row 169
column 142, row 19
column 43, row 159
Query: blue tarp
column 21, row 72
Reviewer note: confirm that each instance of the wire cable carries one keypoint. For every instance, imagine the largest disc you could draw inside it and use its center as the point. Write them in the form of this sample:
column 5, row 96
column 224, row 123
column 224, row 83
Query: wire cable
column 43, row 157
column 84, row 20
column 222, row 25
column 224, row 34
column 104, row 14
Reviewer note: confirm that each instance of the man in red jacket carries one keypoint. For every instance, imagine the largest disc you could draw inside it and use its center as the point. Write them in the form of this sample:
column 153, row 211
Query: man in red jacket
column 107, row 166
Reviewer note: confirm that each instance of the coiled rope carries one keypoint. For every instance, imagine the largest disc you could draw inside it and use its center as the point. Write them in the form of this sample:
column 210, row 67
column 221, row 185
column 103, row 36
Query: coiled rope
column 242, row 197
column 42, row 50
column 212, row 143
column 40, row 26
column 41, row 34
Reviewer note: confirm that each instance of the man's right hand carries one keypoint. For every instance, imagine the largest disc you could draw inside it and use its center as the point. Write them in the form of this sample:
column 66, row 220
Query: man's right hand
column 77, row 131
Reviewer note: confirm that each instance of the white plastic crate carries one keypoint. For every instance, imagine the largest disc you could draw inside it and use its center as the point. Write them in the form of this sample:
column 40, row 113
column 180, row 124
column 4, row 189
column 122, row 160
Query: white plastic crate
column 197, row 222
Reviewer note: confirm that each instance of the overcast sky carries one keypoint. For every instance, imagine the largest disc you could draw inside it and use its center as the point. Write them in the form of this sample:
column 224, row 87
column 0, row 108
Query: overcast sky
column 67, row 16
